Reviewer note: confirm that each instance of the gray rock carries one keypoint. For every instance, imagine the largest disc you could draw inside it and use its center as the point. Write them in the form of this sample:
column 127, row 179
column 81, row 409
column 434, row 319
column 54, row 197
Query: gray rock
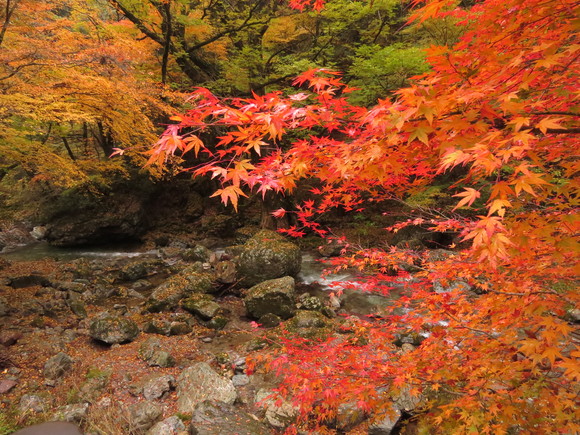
column 179, row 328
column 112, row 329
column 150, row 351
column 332, row 248
column 267, row 255
column 279, row 415
column 92, row 388
column 308, row 319
column 348, row 416
column 269, row 320
column 226, row 272
column 197, row 253
column 170, row 426
column 311, row 303
column 157, row 386
column 438, row 287
column 168, row 294
column 203, row 308
column 38, row 232
column 240, row 380
column 275, row 296
column 57, row 366
column 219, row 418
column 75, row 413
column 218, row 323
column 573, row 315
column 198, row 383
column 143, row 415
column 34, row 403
column 385, row 424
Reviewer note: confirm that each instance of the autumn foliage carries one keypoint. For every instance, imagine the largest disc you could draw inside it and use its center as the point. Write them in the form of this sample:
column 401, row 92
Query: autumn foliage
column 500, row 108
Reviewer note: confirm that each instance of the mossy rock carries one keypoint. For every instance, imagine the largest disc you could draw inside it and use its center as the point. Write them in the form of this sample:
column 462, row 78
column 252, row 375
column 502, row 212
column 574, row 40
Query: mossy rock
column 274, row 296
column 267, row 255
column 168, row 294
column 112, row 329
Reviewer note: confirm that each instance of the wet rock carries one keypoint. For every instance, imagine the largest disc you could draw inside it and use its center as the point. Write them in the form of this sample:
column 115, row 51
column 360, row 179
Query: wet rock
column 200, row 382
column 170, row 426
column 278, row 413
column 218, row 323
column 197, row 253
column 573, row 315
column 112, row 329
column 168, row 294
column 38, row 232
column 143, row 415
column 157, row 386
column 365, row 303
column 32, row 402
column 50, row 428
column 135, row 270
column 151, row 352
column 219, row 418
column 75, row 413
column 308, row 319
column 226, row 272
column 385, row 425
column 205, row 309
column 57, row 366
column 332, row 248
column 269, row 320
column 267, row 255
column 275, row 296
column 17, row 235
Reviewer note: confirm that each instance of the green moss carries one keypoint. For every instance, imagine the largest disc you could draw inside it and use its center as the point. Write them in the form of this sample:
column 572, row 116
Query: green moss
column 7, row 424
column 96, row 373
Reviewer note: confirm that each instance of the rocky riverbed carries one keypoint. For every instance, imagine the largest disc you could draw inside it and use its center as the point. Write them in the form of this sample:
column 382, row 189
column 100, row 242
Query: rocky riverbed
column 157, row 342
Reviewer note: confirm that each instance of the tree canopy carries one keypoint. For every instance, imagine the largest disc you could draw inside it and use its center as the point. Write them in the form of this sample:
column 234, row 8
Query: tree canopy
column 500, row 107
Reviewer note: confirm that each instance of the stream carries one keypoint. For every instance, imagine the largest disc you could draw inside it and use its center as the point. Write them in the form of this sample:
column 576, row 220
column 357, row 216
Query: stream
column 311, row 278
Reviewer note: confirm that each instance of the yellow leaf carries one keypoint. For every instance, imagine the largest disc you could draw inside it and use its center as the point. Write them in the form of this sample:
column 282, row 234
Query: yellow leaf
column 548, row 123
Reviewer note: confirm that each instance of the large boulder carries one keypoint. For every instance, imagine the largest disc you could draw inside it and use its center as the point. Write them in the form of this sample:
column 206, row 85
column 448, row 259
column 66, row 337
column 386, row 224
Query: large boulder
column 199, row 383
column 111, row 218
column 217, row 418
column 267, row 255
column 185, row 283
column 113, row 329
column 275, row 296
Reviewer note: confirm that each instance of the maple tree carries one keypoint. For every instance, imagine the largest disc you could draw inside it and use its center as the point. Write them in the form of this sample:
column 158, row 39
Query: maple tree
column 502, row 104
column 74, row 83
